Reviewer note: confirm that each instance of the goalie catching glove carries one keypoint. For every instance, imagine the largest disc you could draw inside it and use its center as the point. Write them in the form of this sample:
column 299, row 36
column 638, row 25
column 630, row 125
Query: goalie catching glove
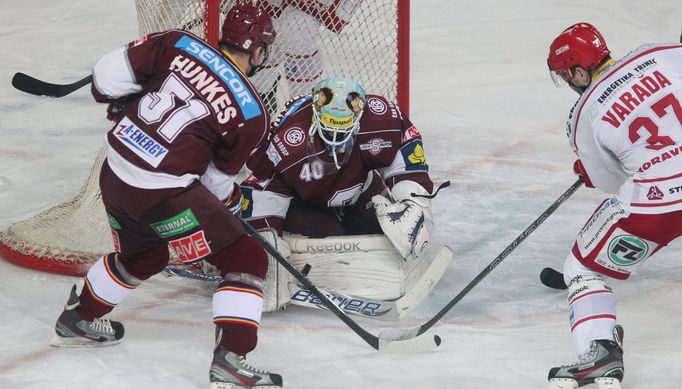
column 408, row 221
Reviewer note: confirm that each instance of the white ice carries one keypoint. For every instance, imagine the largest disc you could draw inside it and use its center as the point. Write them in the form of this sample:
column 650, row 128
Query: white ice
column 493, row 124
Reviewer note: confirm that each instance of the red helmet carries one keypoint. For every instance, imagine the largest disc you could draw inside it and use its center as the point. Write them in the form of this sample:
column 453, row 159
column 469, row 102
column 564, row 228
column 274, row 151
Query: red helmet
column 579, row 45
column 247, row 27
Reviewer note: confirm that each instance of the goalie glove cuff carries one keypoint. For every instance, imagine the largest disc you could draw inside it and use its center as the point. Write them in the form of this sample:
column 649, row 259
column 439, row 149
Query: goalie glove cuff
column 404, row 190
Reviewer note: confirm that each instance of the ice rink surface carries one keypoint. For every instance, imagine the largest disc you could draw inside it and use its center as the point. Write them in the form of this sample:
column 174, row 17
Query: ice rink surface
column 493, row 124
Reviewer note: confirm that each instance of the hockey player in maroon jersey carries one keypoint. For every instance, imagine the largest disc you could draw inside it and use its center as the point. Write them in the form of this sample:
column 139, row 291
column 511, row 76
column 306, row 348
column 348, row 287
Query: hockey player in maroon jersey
column 187, row 119
column 626, row 129
column 341, row 162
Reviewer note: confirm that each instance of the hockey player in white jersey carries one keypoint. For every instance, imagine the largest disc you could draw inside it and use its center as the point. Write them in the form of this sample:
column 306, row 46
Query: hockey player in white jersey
column 626, row 129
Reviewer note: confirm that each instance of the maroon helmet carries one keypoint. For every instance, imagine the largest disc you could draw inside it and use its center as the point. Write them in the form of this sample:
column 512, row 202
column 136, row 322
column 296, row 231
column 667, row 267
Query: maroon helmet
column 579, row 45
column 247, row 27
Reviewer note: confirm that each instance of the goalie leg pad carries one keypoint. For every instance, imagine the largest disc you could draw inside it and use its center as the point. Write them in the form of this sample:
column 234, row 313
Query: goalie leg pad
column 359, row 265
column 276, row 289
column 276, row 278
column 592, row 305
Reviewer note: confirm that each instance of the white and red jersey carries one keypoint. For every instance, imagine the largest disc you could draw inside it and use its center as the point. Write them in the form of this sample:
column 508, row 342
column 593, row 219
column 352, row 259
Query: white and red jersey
column 626, row 128
column 192, row 113
column 334, row 14
column 295, row 164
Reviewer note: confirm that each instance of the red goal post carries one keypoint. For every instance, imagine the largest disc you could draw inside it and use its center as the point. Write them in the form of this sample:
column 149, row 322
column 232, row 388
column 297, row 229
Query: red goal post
column 372, row 47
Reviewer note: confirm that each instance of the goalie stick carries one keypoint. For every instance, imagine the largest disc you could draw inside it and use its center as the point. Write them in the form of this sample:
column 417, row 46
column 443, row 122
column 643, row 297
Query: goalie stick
column 353, row 305
column 385, row 310
column 413, row 344
column 34, row 86
column 409, row 333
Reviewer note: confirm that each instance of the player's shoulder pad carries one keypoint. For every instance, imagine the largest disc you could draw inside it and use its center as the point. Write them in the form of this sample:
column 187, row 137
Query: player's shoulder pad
column 168, row 34
column 291, row 107
column 380, row 114
column 380, row 108
column 648, row 47
column 290, row 133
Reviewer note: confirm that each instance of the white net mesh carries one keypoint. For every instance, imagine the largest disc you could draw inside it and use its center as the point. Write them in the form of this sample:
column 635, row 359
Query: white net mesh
column 68, row 237
column 305, row 50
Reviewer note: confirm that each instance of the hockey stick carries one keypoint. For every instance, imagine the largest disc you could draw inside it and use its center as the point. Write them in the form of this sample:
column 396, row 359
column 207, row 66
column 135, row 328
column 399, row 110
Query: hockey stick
column 34, row 86
column 397, row 346
column 385, row 310
column 553, row 279
column 408, row 333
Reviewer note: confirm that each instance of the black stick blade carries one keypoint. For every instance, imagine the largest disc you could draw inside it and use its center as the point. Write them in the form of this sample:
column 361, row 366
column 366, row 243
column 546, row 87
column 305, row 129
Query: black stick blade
column 34, row 86
column 552, row 279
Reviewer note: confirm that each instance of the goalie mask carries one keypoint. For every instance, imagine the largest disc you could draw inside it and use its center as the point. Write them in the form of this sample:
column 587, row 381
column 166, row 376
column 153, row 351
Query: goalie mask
column 337, row 108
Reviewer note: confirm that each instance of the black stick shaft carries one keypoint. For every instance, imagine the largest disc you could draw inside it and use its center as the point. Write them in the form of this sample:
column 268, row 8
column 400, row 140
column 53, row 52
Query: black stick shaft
column 366, row 336
column 512, row 246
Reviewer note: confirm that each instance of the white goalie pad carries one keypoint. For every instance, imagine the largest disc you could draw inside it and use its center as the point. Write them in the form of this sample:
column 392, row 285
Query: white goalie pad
column 360, row 265
column 407, row 224
column 276, row 289
column 357, row 265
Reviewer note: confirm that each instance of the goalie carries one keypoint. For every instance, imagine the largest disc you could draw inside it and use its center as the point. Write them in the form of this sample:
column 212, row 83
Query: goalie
column 357, row 171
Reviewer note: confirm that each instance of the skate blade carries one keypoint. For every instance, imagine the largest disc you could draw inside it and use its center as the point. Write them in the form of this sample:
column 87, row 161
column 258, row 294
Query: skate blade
column 607, row 383
column 58, row 341
column 562, row 383
column 230, row 385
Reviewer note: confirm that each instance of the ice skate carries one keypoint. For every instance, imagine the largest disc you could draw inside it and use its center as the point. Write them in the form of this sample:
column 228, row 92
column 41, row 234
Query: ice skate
column 603, row 365
column 72, row 331
column 229, row 370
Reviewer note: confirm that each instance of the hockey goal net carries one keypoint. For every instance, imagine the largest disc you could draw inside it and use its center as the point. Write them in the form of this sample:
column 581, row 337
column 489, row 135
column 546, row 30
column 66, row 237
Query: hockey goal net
column 365, row 40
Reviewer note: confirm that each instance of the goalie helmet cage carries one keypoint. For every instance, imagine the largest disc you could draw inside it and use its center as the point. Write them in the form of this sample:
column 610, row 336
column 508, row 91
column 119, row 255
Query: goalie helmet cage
column 372, row 48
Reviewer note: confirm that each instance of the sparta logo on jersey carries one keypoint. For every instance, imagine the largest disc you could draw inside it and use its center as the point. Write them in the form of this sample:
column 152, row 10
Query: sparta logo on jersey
column 294, row 136
column 375, row 145
column 377, row 106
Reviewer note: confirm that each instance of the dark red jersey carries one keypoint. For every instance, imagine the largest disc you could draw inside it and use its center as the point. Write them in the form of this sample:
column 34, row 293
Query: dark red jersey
column 294, row 163
column 191, row 109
